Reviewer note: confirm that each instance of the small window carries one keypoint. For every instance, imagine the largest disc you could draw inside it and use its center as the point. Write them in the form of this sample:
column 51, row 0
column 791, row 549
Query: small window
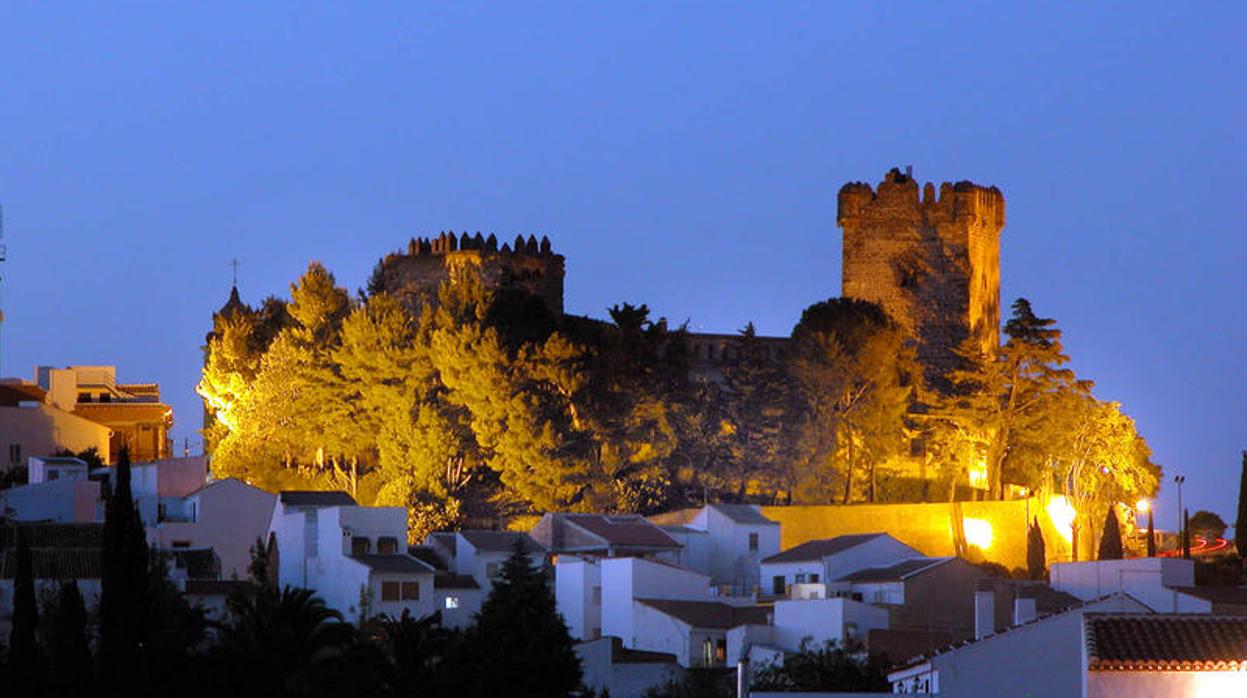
column 105, row 397
column 452, row 602
column 753, row 542
column 777, row 585
column 84, row 397
column 411, row 591
column 181, row 544
column 389, row 591
column 814, row 578
column 15, row 453
column 720, row 651
column 54, row 475
column 491, row 570
column 387, row 545
column 361, row 546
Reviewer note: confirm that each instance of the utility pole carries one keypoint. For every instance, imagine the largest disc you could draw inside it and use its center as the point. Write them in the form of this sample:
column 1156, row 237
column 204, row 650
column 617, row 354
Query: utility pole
column 1178, row 480
column 3, row 256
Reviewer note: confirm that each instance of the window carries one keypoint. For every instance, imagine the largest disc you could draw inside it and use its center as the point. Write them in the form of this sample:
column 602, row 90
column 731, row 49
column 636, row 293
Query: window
column 777, row 585
column 597, row 595
column 181, row 544
column 753, row 542
column 813, row 578
column 720, row 651
column 54, row 475
column 84, row 397
column 389, row 591
column 411, row 591
column 387, row 545
column 15, row 453
column 491, row 570
column 105, row 397
column 452, row 602
column 361, row 546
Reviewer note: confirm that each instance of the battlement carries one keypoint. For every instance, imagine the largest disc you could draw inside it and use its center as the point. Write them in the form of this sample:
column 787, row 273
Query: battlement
column 963, row 201
column 415, row 273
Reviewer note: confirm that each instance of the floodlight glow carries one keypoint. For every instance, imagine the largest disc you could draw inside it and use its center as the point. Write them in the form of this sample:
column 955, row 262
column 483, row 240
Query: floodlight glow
column 978, row 533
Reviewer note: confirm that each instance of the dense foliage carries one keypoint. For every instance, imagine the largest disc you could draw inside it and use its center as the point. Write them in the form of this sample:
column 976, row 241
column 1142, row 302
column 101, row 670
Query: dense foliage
column 827, row 667
column 484, row 405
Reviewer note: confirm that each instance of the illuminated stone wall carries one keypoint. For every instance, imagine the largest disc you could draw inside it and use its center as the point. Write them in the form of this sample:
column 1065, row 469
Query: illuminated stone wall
column 932, row 263
column 928, row 527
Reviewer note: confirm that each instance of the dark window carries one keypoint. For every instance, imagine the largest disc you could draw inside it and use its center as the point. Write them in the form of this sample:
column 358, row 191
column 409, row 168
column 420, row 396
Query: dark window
column 777, row 585
column 361, row 546
column 411, row 591
column 105, row 397
column 15, row 453
column 813, row 579
column 491, row 570
column 387, row 545
column 720, row 651
column 181, row 544
column 753, row 542
column 389, row 591
column 84, row 397
column 54, row 475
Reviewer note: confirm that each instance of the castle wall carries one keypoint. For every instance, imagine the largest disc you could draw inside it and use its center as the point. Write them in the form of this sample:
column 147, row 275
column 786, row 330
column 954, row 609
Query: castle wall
column 932, row 263
column 414, row 276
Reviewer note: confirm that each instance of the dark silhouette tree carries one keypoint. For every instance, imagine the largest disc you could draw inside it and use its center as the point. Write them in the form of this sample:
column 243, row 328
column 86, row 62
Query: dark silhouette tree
column 1240, row 522
column 521, row 638
column 1186, row 534
column 416, row 649
column 1110, row 540
column 124, row 585
column 68, row 644
column 25, row 675
column 1036, row 555
column 1151, row 533
column 1208, row 523
column 828, row 667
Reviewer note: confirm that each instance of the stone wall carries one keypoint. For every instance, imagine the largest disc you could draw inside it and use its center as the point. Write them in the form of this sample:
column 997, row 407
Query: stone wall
column 932, row 263
column 530, row 265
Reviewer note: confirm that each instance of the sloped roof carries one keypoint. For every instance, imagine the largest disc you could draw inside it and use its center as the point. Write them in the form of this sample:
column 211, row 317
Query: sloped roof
column 895, row 573
column 428, row 556
column 710, row 615
column 627, row 530
column 743, row 514
column 215, row 587
column 59, row 535
column 500, row 541
column 1165, row 642
column 399, row 564
column 823, row 547
column 316, row 498
column 57, row 563
column 446, row 539
column 449, row 580
column 1219, row 594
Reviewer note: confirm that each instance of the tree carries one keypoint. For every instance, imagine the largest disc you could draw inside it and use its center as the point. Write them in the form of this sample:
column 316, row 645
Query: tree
column 68, row 644
column 521, row 638
column 25, row 671
column 416, row 650
column 1151, row 533
column 1110, row 539
column 1240, row 523
column 1036, row 557
column 757, row 407
column 1186, row 535
column 853, row 371
column 828, row 667
column 125, row 597
column 1208, row 524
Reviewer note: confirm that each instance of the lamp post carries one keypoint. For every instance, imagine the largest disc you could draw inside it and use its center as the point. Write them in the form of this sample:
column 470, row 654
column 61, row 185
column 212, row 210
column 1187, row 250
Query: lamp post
column 1178, row 480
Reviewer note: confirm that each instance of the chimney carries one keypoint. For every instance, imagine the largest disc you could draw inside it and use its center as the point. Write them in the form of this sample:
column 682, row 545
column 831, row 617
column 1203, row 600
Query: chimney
column 1024, row 606
column 984, row 608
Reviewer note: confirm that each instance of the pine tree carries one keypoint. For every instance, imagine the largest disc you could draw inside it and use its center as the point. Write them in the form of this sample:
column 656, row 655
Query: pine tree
column 71, row 653
column 1110, row 540
column 1151, row 534
column 1036, row 556
column 520, row 646
column 124, row 597
column 1186, row 534
column 1240, row 523
column 24, row 666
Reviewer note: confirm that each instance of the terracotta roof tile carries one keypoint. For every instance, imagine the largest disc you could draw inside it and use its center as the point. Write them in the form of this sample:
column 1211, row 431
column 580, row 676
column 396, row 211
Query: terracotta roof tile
column 500, row 541
column 710, row 615
column 1166, row 642
column 627, row 530
column 312, row 498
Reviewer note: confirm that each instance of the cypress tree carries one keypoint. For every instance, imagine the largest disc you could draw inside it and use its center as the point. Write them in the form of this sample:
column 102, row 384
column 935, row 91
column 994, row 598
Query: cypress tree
column 24, row 671
column 1036, row 555
column 1240, row 523
column 124, row 596
column 1110, row 540
column 520, row 646
column 71, row 654
column 1151, row 534
column 1186, row 534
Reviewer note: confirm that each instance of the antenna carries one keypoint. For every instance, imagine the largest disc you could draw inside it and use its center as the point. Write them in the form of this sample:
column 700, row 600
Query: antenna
column 234, row 265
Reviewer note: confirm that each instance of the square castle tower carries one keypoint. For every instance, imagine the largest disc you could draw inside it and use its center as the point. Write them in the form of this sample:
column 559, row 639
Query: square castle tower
column 932, row 263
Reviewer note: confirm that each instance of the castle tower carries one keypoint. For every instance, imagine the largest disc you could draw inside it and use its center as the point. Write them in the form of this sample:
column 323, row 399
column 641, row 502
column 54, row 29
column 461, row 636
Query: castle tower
column 932, row 263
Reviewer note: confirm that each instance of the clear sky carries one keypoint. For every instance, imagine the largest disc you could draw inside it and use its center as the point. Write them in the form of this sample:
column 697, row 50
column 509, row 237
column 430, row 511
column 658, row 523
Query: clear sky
column 682, row 155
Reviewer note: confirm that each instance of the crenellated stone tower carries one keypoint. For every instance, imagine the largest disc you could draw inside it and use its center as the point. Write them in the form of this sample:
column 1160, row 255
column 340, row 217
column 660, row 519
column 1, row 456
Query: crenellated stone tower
column 530, row 265
column 932, row 263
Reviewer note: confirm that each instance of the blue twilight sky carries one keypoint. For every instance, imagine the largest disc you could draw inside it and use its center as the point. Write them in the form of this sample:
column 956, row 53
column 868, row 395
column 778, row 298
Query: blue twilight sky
column 685, row 155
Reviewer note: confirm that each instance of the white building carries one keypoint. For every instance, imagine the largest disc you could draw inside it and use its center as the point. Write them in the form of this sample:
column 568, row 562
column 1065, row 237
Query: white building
column 818, row 621
column 1154, row 581
column 227, row 515
column 481, row 554
column 354, row 557
column 599, row 535
column 727, row 542
column 818, row 561
column 595, row 595
column 696, row 632
column 609, row 667
column 1037, row 659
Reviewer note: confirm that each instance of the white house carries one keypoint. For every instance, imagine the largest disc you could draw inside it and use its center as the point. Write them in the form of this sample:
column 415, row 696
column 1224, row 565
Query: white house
column 696, row 632
column 227, row 515
column 737, row 537
column 354, row 557
column 480, row 554
column 595, row 595
column 457, row 596
column 1041, row 658
column 609, row 667
column 817, row 561
column 578, row 594
column 839, row 620
column 1155, row 581
column 599, row 535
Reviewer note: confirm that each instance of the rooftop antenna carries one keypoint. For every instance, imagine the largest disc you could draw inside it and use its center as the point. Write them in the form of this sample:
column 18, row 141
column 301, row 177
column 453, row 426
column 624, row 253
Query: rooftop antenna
column 234, row 266
column 3, row 256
